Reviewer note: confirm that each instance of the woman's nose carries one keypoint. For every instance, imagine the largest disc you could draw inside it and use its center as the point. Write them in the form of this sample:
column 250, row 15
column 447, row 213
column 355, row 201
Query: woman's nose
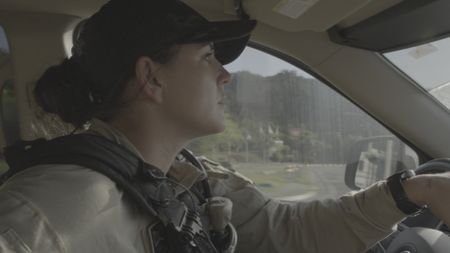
column 224, row 77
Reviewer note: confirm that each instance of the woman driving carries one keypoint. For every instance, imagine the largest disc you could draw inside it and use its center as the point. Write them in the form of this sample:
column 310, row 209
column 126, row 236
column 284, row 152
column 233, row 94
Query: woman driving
column 147, row 77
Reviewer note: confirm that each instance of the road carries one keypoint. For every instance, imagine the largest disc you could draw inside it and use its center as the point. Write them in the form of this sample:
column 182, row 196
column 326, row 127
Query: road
column 319, row 181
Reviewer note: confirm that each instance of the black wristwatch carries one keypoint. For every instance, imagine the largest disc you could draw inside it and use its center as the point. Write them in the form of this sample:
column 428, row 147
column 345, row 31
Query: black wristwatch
column 394, row 183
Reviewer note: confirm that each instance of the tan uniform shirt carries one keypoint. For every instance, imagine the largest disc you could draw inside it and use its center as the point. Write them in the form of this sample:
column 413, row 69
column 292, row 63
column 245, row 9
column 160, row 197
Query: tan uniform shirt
column 72, row 209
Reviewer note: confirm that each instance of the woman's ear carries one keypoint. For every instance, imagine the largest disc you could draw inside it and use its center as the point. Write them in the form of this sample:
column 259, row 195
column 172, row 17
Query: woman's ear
column 146, row 80
column 154, row 91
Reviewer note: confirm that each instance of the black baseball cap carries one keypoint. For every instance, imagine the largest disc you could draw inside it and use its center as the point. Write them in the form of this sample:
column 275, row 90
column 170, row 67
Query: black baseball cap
column 131, row 28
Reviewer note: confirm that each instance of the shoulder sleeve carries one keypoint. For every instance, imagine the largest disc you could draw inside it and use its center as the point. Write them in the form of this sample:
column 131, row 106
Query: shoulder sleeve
column 349, row 224
column 23, row 228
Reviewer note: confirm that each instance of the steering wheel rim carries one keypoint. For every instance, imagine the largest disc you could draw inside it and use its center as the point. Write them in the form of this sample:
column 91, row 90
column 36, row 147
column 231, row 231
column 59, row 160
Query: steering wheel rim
column 434, row 166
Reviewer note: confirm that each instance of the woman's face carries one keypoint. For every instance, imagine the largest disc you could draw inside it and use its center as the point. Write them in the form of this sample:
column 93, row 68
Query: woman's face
column 193, row 90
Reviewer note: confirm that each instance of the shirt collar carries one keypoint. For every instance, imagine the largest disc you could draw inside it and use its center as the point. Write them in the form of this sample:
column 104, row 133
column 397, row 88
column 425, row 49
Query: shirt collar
column 183, row 172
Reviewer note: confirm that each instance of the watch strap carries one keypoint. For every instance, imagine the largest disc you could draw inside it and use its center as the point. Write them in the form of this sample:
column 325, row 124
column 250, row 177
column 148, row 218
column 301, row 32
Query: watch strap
column 402, row 201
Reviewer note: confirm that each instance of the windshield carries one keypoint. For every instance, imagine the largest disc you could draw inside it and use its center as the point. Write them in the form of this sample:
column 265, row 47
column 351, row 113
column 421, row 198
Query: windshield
column 428, row 65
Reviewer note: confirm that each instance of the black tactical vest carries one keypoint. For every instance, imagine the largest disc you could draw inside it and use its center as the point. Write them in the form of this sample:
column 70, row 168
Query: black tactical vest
column 183, row 225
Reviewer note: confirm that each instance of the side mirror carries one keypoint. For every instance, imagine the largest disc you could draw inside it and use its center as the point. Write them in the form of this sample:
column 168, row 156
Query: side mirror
column 373, row 159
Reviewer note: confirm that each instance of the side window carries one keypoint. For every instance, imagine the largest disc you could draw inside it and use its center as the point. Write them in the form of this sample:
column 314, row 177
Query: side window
column 8, row 108
column 295, row 137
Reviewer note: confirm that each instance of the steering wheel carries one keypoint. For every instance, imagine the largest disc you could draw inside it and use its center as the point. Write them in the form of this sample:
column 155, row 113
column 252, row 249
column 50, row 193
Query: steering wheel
column 434, row 166
column 419, row 239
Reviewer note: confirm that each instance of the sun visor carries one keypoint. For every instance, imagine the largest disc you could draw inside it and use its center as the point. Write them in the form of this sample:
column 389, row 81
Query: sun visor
column 296, row 15
column 404, row 25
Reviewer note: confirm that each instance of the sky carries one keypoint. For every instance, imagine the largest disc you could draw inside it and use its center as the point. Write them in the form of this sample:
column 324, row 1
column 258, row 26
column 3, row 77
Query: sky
column 258, row 62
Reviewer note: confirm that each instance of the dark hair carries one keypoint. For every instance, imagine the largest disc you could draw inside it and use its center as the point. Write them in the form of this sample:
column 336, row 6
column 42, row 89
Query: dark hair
column 86, row 86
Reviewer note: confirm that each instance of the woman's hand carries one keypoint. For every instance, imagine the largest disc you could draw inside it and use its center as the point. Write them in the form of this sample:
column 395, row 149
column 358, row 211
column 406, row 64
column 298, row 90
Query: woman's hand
column 432, row 190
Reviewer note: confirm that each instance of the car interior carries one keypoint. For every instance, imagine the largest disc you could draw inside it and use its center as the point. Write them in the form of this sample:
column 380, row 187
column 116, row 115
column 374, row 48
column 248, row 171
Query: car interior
column 387, row 59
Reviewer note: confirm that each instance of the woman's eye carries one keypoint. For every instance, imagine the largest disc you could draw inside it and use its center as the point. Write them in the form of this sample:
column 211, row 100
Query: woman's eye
column 209, row 56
